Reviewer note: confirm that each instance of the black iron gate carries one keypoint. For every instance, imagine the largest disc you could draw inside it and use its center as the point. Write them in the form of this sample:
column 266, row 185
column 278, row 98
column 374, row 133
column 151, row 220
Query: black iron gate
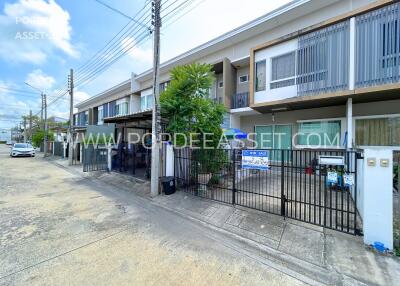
column 94, row 158
column 298, row 183
column 132, row 159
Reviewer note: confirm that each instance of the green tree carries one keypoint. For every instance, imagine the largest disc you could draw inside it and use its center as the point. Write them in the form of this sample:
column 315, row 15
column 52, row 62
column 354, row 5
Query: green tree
column 187, row 105
column 38, row 137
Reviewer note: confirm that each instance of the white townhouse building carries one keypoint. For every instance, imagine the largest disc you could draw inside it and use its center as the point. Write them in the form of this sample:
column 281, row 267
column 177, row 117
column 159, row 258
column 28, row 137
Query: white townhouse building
column 309, row 68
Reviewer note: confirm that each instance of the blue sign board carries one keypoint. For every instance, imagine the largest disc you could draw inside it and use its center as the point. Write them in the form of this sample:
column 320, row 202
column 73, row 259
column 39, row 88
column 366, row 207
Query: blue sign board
column 255, row 159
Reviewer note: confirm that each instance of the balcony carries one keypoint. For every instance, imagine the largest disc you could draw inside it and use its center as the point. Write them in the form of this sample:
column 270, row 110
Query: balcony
column 240, row 100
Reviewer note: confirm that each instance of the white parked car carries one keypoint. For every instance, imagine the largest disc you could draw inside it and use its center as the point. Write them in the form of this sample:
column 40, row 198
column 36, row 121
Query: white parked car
column 22, row 149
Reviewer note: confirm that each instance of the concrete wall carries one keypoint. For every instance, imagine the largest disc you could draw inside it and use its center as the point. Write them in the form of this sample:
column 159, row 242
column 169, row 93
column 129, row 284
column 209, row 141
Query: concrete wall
column 218, row 90
column 242, row 87
column 247, row 123
column 378, row 197
column 229, row 78
column 267, row 54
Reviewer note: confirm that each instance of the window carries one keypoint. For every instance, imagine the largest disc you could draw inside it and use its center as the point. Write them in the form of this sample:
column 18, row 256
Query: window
column 149, row 101
column 86, row 118
column 146, row 102
column 221, row 84
column 123, row 108
column 283, row 70
column 243, row 78
column 378, row 131
column 319, row 133
column 260, row 75
column 100, row 114
column 163, row 86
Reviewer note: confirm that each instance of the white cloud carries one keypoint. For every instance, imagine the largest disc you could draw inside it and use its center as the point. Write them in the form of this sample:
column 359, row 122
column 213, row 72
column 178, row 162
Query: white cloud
column 136, row 53
column 80, row 96
column 13, row 106
column 40, row 80
column 32, row 29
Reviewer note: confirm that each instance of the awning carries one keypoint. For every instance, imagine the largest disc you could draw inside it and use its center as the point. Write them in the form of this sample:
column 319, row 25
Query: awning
column 138, row 120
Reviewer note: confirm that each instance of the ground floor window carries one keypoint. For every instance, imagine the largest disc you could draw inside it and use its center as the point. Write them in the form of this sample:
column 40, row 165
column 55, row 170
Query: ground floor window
column 319, row 133
column 378, row 131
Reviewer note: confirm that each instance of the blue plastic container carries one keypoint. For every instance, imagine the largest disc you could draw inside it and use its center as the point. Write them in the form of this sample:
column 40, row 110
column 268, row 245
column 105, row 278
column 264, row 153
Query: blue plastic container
column 379, row 246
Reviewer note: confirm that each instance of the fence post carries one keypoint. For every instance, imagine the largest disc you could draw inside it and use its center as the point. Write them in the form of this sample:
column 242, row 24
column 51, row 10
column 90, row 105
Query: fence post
column 283, row 198
column 109, row 157
column 234, row 178
column 64, row 149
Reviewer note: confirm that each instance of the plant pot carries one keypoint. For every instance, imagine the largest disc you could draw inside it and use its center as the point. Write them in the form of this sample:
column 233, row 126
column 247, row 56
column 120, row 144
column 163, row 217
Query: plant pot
column 202, row 180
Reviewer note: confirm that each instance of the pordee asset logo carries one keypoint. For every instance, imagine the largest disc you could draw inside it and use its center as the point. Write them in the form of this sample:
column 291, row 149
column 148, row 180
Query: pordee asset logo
column 202, row 140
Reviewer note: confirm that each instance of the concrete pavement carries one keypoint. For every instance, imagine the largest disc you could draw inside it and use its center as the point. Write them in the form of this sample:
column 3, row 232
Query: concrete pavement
column 301, row 253
column 60, row 228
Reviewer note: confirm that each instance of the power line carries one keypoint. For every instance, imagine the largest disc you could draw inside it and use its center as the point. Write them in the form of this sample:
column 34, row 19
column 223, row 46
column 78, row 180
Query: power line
column 110, row 43
column 118, row 11
column 17, row 90
column 111, row 58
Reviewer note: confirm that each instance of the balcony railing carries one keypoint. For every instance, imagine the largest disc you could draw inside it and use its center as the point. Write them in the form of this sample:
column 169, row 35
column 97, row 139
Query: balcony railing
column 240, row 100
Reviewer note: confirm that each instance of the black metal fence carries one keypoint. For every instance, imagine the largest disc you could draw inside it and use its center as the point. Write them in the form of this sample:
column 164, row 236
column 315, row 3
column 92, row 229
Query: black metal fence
column 58, row 149
column 132, row 159
column 396, row 170
column 76, row 153
column 94, row 158
column 296, row 184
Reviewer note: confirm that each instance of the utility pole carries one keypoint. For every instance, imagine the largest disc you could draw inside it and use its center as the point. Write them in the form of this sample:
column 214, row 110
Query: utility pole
column 71, row 116
column 25, row 129
column 45, row 125
column 155, row 151
column 41, row 110
column 30, row 125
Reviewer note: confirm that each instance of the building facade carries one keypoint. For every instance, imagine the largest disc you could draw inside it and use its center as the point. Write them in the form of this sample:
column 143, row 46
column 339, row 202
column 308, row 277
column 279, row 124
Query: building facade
column 319, row 74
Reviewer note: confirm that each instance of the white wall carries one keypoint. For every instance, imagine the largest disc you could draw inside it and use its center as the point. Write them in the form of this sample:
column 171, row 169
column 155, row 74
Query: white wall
column 378, row 198
column 267, row 54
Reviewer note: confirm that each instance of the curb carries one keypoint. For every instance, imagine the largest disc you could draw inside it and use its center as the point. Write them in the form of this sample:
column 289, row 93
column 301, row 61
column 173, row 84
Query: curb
column 301, row 270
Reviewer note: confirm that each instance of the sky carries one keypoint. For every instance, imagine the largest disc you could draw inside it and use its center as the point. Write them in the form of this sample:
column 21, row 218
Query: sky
column 41, row 40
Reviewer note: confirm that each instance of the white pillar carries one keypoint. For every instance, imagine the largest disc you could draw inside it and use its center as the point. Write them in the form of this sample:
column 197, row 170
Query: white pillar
column 169, row 160
column 378, row 197
column 349, row 123
column 109, row 150
column 64, row 149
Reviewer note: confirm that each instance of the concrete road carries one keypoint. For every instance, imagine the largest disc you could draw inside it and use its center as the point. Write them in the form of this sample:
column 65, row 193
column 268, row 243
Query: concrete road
column 58, row 228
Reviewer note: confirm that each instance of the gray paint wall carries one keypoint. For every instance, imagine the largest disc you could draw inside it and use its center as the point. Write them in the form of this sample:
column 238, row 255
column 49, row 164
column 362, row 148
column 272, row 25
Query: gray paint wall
column 242, row 87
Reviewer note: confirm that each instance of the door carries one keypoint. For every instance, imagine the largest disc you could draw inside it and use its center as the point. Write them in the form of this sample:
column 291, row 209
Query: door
column 274, row 137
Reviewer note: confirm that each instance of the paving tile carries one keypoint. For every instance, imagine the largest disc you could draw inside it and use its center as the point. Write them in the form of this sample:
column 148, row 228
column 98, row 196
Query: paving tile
column 261, row 227
column 235, row 219
column 303, row 243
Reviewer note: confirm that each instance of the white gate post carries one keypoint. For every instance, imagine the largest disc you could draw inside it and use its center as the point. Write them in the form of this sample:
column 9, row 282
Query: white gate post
column 109, row 157
column 64, row 150
column 378, row 197
column 169, row 160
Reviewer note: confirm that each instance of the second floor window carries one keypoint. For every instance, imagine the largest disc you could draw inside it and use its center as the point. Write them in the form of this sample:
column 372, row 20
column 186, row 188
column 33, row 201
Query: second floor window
column 100, row 114
column 122, row 108
column 146, row 102
column 260, row 75
column 283, row 70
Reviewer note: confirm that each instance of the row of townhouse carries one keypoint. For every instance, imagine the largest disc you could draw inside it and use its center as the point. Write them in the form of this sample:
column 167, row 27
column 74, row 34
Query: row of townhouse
column 309, row 68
